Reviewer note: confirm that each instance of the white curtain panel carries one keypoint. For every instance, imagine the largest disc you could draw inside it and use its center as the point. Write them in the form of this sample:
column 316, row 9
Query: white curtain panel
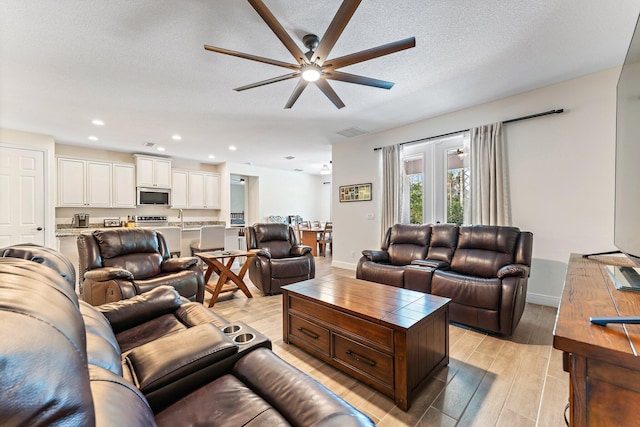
column 489, row 186
column 390, row 187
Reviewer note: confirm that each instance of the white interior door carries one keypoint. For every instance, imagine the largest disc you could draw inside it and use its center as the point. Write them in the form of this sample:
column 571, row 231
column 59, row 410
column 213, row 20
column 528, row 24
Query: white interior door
column 21, row 196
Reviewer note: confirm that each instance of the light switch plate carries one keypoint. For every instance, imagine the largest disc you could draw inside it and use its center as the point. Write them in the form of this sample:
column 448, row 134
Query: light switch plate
column 369, row 216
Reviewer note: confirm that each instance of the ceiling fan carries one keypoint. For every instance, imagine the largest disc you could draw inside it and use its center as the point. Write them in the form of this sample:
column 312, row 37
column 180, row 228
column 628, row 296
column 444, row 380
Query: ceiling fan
column 313, row 66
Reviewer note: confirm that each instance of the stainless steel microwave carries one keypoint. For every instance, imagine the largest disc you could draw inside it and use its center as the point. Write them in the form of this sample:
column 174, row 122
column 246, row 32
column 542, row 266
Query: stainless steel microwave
column 154, row 196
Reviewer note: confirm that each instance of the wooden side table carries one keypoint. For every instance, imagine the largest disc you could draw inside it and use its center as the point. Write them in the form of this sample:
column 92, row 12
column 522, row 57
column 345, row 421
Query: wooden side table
column 216, row 262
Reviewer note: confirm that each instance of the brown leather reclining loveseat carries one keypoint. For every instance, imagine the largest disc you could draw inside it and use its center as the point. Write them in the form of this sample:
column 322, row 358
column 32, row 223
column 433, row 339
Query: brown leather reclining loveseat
column 483, row 269
column 66, row 365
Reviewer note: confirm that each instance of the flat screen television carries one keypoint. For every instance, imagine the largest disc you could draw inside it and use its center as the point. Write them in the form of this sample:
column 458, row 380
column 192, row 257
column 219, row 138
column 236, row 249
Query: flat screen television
column 627, row 175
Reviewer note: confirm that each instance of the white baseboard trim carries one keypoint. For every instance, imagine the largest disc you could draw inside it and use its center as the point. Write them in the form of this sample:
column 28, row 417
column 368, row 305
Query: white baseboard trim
column 345, row 265
column 543, row 299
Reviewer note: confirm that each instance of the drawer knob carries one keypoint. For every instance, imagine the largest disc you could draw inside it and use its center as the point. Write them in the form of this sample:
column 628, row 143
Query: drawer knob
column 308, row 333
column 360, row 358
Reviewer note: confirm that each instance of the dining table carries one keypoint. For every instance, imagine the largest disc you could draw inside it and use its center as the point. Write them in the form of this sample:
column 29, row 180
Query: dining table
column 310, row 237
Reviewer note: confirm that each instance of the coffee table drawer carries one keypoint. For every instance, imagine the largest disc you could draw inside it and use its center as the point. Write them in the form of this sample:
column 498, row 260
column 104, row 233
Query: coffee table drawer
column 310, row 333
column 366, row 360
column 369, row 331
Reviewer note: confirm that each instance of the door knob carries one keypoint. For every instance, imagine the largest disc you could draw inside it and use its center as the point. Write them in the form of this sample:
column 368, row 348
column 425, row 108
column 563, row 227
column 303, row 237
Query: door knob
column 39, row 228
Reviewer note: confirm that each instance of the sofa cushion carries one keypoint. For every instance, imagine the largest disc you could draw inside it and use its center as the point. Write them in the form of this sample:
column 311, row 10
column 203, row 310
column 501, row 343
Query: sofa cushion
column 408, row 242
column 289, row 267
column 466, row 290
column 102, row 346
column 185, row 280
column 242, row 407
column 43, row 359
column 482, row 250
column 44, row 256
column 444, row 239
column 382, row 273
column 118, row 402
column 141, row 265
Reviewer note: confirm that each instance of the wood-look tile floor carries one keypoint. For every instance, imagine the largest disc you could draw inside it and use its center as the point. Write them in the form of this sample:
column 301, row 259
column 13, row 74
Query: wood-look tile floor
column 490, row 381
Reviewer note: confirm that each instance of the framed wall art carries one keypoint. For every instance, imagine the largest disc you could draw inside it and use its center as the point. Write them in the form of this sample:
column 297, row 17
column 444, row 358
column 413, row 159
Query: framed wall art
column 355, row 193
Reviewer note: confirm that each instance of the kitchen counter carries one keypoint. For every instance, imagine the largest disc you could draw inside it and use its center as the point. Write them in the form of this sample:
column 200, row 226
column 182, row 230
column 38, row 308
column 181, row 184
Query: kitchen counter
column 65, row 230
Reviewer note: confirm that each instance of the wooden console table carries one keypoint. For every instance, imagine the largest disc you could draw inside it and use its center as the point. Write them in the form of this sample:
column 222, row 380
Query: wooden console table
column 602, row 361
column 390, row 338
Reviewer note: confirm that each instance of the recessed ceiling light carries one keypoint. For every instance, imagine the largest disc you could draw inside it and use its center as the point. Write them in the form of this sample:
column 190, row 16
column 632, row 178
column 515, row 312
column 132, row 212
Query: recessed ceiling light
column 97, row 122
column 211, row 156
column 160, row 148
column 176, row 137
column 232, row 148
column 93, row 138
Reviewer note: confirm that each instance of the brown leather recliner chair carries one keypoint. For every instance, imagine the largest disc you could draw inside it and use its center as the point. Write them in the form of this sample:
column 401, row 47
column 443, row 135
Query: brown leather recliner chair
column 280, row 260
column 120, row 263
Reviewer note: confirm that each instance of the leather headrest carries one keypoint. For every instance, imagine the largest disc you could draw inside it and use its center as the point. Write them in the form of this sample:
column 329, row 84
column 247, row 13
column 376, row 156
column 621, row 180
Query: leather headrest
column 269, row 232
column 123, row 241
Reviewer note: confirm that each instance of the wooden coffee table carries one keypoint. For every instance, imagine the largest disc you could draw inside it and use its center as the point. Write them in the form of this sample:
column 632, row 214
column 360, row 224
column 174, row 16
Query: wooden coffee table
column 390, row 338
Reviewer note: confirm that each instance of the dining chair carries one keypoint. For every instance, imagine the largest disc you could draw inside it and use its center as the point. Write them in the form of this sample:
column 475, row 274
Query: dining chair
column 325, row 239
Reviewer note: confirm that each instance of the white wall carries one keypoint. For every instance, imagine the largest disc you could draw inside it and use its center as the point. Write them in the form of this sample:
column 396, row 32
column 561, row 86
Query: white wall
column 46, row 144
column 561, row 171
column 281, row 193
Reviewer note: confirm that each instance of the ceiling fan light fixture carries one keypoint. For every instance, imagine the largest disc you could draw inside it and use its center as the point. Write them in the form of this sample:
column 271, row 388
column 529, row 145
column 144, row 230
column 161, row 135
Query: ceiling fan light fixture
column 311, row 72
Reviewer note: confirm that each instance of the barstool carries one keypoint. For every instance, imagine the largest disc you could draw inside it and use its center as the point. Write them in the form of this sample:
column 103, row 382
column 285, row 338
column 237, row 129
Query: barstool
column 173, row 236
column 211, row 239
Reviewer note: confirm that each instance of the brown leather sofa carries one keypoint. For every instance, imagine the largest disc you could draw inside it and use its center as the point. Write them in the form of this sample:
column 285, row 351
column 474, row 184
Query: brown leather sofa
column 279, row 259
column 66, row 367
column 122, row 262
column 483, row 269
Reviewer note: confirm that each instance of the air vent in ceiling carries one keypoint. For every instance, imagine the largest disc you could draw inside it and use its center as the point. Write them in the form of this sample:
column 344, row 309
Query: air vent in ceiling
column 149, row 144
column 298, row 170
column 351, row 132
column 289, row 157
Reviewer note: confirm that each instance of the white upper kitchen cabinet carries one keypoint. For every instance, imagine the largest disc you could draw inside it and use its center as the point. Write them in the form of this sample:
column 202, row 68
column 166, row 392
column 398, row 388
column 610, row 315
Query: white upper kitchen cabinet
column 179, row 189
column 124, row 186
column 84, row 183
column 153, row 172
column 212, row 191
column 195, row 190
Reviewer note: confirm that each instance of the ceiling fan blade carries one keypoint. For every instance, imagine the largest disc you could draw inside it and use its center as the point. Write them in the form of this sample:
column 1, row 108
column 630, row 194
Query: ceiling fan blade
column 302, row 84
column 268, row 81
column 368, row 54
column 361, row 80
column 329, row 92
column 279, row 31
column 331, row 36
column 252, row 57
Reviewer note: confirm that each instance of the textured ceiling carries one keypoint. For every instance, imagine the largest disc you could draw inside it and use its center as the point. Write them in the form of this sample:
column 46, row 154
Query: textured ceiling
column 140, row 66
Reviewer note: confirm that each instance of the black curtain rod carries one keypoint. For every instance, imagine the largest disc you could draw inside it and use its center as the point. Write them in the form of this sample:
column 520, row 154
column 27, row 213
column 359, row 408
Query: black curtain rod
column 532, row 116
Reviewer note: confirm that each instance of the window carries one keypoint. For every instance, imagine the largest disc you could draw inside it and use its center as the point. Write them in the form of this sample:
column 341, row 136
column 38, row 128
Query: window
column 435, row 181
column 413, row 170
